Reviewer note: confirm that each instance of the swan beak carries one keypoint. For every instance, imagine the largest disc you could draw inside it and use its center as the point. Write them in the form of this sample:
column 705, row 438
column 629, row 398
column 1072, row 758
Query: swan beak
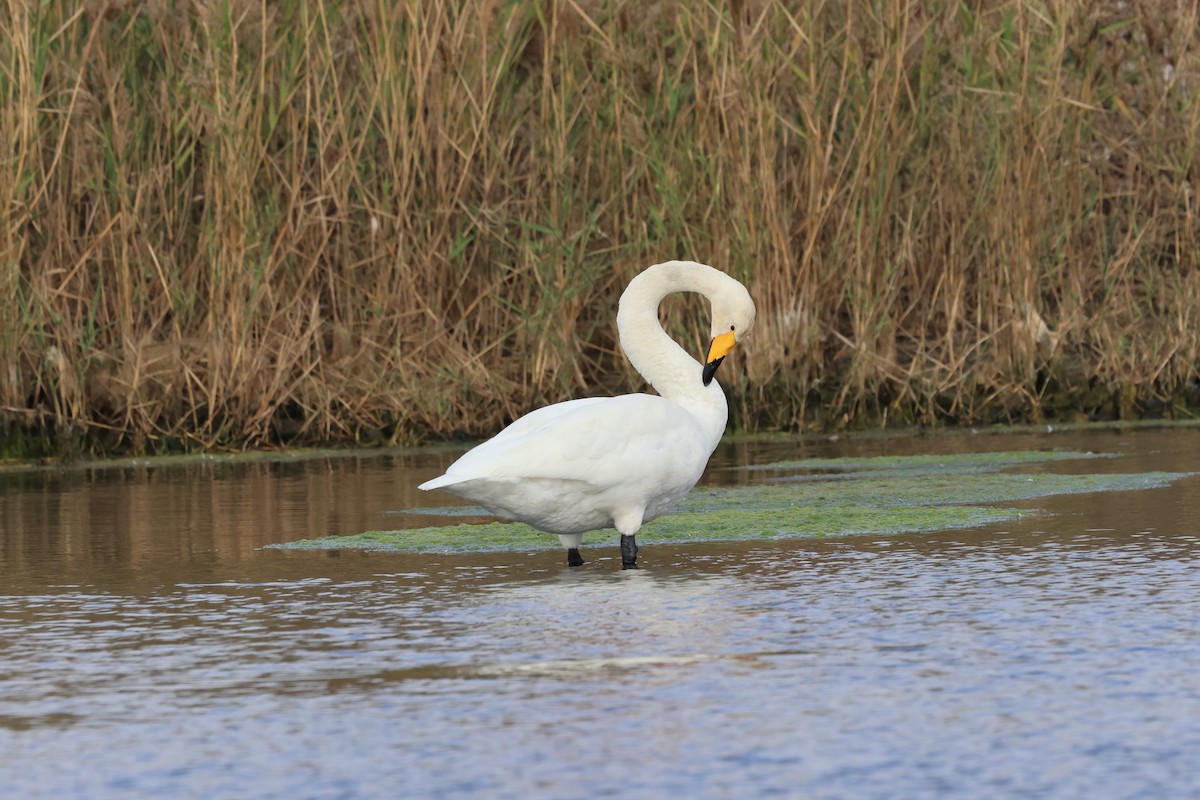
column 716, row 353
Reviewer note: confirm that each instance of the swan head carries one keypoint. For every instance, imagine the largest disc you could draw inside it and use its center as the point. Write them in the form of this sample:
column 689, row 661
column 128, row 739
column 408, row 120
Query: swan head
column 732, row 318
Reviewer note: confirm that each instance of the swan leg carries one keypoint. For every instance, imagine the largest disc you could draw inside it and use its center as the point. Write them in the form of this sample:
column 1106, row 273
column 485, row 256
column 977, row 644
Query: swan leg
column 570, row 543
column 627, row 524
column 629, row 551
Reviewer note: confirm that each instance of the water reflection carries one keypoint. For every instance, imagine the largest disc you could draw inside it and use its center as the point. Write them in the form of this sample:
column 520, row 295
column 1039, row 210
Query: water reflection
column 146, row 640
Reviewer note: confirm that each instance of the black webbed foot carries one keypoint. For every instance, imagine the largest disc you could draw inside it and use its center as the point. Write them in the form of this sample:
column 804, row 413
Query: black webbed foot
column 573, row 558
column 629, row 551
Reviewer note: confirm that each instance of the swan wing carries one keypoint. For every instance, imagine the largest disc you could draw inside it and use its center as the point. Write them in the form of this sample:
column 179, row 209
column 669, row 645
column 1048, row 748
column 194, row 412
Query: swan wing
column 599, row 440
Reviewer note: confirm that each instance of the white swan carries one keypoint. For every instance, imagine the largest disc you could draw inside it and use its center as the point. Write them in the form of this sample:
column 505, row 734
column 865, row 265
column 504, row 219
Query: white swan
column 604, row 462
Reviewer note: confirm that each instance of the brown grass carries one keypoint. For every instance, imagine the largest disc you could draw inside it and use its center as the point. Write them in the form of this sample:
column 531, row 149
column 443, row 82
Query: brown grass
column 236, row 223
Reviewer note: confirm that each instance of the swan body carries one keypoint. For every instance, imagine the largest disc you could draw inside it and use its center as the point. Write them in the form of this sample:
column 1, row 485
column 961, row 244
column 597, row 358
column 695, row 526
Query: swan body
column 616, row 462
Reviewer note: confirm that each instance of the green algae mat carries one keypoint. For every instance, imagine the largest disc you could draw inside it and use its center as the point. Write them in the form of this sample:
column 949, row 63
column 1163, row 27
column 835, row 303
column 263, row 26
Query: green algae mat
column 806, row 498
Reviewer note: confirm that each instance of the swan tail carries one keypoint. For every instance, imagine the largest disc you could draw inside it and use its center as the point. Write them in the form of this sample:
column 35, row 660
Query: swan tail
column 443, row 480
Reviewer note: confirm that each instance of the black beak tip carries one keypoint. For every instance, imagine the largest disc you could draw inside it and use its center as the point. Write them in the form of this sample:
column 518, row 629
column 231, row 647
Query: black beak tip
column 710, row 369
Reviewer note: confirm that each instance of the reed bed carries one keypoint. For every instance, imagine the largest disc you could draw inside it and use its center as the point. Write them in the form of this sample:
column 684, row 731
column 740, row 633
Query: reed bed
column 227, row 223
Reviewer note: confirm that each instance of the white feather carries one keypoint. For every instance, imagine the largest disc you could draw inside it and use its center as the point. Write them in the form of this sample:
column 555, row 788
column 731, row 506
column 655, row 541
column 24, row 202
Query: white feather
column 604, row 462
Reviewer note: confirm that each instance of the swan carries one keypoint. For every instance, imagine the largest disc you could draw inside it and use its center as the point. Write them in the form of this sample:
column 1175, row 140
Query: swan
column 616, row 462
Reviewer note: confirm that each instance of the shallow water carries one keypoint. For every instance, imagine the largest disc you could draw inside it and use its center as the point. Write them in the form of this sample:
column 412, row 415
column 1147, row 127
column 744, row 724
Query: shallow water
column 149, row 648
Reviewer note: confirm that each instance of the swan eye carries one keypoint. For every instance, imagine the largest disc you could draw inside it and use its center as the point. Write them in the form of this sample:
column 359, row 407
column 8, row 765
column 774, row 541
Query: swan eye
column 732, row 327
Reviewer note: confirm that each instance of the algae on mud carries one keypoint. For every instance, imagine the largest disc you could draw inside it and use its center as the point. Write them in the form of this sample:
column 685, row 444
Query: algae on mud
column 860, row 495
column 949, row 462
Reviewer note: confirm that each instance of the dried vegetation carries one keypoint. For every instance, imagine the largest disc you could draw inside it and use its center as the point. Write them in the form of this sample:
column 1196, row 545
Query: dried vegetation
column 230, row 223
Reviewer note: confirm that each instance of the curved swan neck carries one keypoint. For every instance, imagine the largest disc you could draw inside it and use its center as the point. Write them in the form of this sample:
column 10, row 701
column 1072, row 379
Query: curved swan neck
column 665, row 365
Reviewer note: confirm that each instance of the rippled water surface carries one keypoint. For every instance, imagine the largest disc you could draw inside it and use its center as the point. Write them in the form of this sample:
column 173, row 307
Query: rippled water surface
column 149, row 648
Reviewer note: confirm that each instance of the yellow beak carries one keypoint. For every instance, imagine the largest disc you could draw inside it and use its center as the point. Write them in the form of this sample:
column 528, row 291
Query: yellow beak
column 716, row 352
column 721, row 347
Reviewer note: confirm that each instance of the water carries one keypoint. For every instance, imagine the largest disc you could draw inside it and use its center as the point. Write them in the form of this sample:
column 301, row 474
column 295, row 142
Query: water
column 149, row 648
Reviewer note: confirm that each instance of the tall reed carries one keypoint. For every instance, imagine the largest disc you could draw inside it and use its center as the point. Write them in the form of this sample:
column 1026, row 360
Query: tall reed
column 239, row 222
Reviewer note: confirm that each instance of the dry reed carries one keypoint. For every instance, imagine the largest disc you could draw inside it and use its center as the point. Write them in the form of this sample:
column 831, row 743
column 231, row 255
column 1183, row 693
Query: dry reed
column 234, row 223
